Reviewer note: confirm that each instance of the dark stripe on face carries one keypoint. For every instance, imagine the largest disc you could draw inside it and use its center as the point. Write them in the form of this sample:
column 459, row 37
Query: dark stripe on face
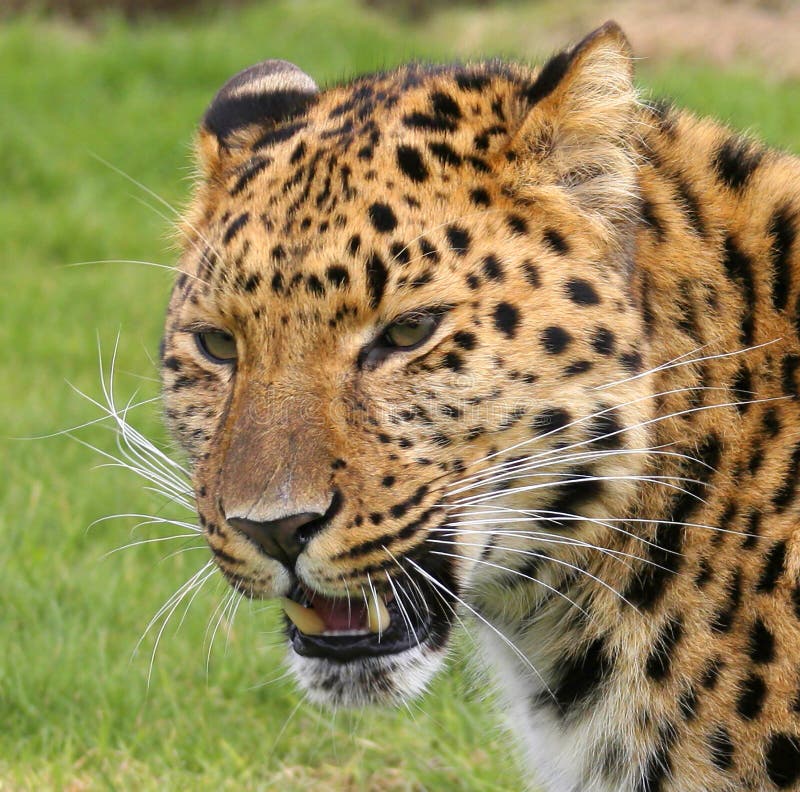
column 739, row 269
column 736, row 160
column 235, row 227
column 377, row 275
column 783, row 232
column 253, row 168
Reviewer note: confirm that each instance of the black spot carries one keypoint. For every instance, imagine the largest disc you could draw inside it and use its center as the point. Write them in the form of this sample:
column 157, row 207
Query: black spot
column 556, row 241
column 506, row 319
column 783, row 760
column 453, row 361
column 428, row 250
column 736, row 160
column 377, row 276
column 649, row 582
column 703, row 573
column 582, row 292
column 773, row 568
column 691, row 207
column 783, row 232
column 480, row 197
column 458, row 238
column 578, row 367
column 581, row 676
column 354, row 244
column 550, row 420
column 660, row 659
column 444, row 104
column 298, row 153
column 742, row 387
column 548, row 78
column 632, row 361
column 531, row 272
column 465, row 339
column 235, row 227
column 517, row 224
column 571, row 494
column 411, row 163
column 382, row 217
column 445, row 154
column 752, row 530
column 492, row 269
column 740, row 270
column 606, row 430
column 751, row 697
column 785, row 494
column 338, row 276
column 711, row 673
column 429, row 123
column 277, row 283
column 251, row 284
column 388, row 481
column 471, row 81
column 723, row 620
column 279, row 134
column 721, row 748
column 555, row 339
column 251, row 170
column 479, row 164
column 400, row 253
column 789, row 365
column 761, row 643
column 603, row 341
column 771, row 422
column 315, row 286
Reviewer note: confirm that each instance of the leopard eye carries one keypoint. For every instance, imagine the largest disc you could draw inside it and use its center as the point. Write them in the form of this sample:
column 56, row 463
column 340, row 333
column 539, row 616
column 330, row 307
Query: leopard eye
column 217, row 345
column 411, row 331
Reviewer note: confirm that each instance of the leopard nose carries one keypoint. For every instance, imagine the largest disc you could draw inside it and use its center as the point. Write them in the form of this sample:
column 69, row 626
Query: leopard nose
column 282, row 539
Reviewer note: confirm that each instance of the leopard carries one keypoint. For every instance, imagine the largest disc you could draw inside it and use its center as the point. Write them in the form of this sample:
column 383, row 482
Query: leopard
column 510, row 352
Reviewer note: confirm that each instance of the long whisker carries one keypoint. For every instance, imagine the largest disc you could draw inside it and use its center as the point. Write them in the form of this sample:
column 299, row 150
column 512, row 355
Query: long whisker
column 503, row 637
column 677, row 362
column 152, row 541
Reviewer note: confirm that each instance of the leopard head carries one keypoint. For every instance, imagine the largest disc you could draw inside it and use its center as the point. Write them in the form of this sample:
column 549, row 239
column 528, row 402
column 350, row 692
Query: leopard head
column 398, row 305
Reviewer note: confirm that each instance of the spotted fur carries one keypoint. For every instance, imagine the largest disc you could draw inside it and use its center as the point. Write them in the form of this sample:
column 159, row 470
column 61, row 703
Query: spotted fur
column 596, row 451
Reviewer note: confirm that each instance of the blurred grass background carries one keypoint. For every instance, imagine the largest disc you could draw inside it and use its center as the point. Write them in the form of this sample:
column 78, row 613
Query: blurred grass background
column 76, row 712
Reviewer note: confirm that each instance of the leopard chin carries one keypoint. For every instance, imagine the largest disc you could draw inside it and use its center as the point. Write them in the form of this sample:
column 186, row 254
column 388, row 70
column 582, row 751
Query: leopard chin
column 386, row 680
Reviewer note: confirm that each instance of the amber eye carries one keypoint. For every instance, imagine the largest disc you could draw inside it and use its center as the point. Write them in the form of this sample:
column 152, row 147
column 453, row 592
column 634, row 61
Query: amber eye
column 217, row 346
column 410, row 331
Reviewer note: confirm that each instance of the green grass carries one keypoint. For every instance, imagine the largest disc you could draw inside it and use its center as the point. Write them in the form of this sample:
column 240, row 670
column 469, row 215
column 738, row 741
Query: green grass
column 75, row 706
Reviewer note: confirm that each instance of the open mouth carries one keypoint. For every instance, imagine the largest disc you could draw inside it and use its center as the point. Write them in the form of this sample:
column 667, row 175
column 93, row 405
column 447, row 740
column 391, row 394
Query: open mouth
column 343, row 629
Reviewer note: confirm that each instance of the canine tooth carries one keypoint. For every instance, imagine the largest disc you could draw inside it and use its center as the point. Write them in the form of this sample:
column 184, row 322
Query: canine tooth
column 307, row 620
column 378, row 617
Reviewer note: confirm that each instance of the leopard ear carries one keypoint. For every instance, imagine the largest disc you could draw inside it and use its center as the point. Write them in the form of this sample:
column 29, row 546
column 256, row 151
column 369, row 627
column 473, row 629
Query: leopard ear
column 263, row 95
column 576, row 139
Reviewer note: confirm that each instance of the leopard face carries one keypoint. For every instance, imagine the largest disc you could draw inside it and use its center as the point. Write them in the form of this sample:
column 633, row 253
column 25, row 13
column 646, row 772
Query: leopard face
column 400, row 302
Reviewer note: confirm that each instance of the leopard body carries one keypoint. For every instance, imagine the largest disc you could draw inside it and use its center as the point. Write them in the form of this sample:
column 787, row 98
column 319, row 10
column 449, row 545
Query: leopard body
column 594, row 455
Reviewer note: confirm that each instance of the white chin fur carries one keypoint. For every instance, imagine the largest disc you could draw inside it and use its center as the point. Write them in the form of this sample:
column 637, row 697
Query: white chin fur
column 386, row 680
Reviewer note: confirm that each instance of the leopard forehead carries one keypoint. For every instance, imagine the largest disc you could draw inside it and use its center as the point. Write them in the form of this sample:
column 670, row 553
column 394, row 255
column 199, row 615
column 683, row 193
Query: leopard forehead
column 377, row 195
